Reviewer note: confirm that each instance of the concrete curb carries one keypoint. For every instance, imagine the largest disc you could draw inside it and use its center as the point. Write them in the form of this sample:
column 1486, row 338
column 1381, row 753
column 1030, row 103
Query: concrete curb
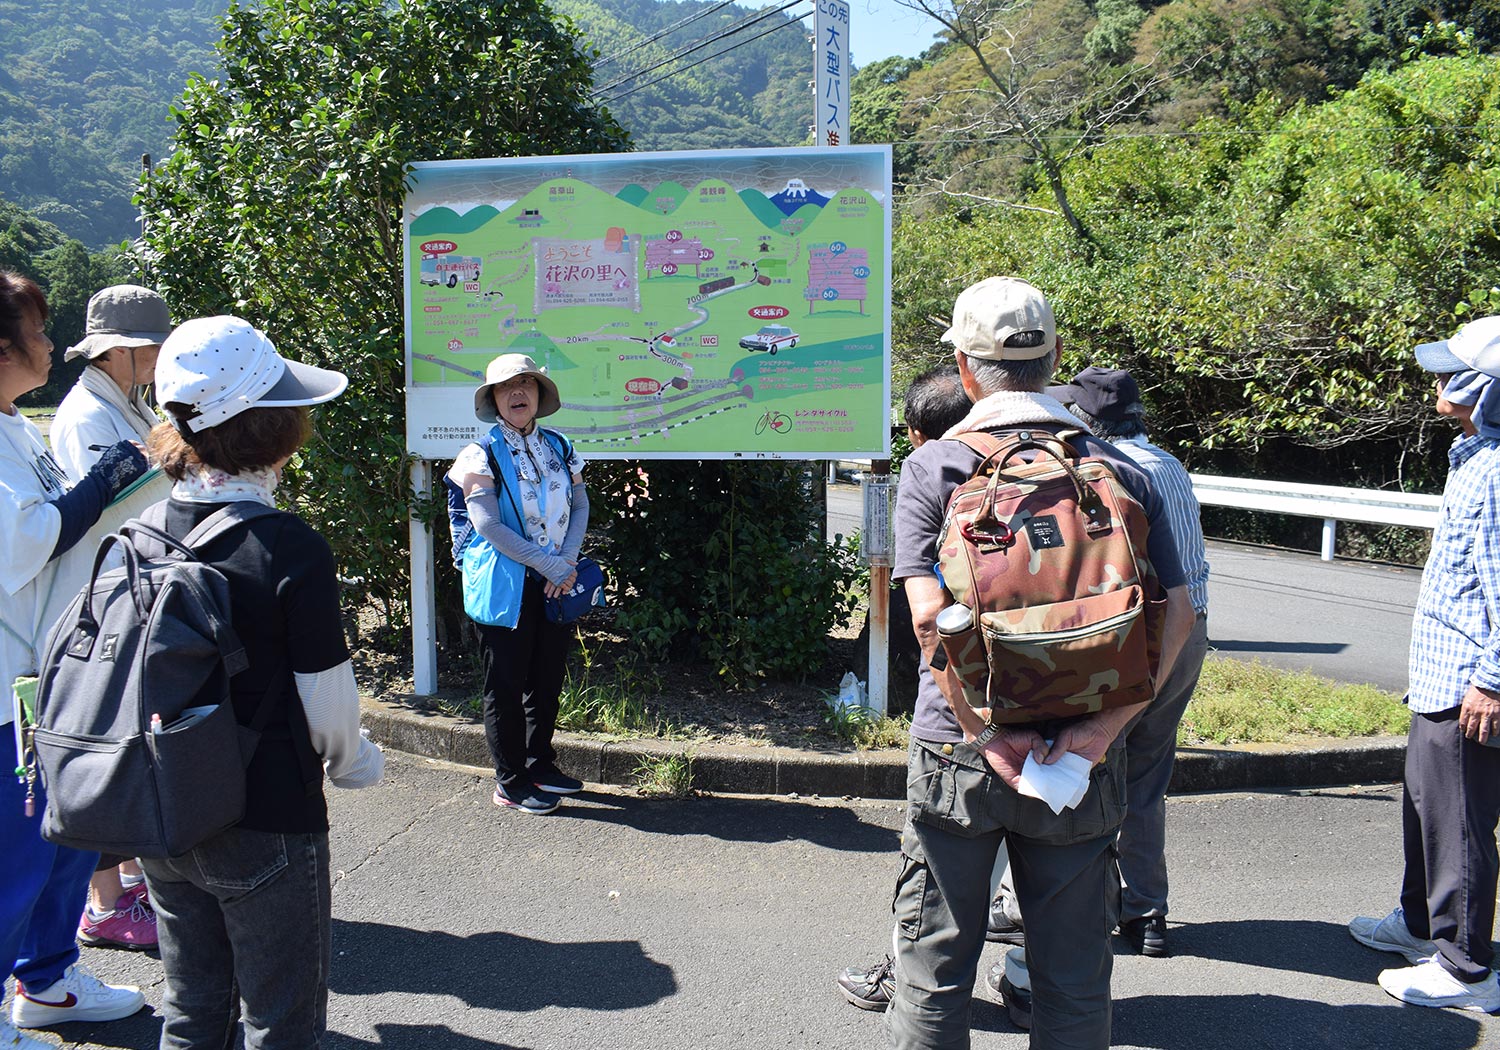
column 771, row 770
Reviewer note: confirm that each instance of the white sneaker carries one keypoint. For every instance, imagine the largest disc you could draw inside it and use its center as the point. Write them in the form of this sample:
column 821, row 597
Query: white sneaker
column 1391, row 935
column 1428, row 984
column 76, row 996
column 10, row 1039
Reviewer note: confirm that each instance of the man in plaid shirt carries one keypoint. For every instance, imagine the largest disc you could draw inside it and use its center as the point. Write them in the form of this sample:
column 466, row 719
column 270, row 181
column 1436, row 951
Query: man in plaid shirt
column 1451, row 800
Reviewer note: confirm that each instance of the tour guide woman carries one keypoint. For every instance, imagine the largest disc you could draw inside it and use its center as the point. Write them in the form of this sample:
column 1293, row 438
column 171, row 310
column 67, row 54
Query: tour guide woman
column 535, row 516
column 244, row 918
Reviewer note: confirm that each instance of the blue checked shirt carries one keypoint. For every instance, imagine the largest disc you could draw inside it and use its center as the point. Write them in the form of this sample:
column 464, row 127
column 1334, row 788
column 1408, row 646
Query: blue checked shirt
column 1171, row 481
column 1454, row 640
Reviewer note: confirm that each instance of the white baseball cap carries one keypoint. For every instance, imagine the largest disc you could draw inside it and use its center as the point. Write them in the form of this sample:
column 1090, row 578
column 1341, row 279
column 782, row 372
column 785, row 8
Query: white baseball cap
column 1002, row 319
column 220, row 366
column 1475, row 346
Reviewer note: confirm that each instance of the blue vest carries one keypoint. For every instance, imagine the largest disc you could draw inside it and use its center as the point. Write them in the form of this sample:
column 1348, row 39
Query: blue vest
column 507, row 494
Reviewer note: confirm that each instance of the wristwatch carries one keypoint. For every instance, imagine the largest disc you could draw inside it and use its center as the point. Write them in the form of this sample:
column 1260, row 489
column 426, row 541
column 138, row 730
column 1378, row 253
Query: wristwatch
column 986, row 734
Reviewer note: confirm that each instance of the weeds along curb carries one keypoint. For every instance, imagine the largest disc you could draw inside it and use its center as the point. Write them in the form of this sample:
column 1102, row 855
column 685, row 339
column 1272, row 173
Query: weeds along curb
column 769, row 770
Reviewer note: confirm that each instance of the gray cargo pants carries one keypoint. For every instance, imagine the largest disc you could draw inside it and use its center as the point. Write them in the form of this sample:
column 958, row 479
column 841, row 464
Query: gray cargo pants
column 958, row 814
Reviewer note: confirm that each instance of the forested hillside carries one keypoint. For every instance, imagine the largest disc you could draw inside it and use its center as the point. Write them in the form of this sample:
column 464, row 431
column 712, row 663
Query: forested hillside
column 84, row 91
column 754, row 94
column 86, row 88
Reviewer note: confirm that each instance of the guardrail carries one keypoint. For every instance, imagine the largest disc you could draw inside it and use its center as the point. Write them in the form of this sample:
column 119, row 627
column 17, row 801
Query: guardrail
column 1332, row 504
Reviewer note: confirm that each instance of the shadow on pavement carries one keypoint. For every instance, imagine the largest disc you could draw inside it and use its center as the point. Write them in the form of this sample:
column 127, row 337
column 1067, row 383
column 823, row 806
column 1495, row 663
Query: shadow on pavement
column 1255, row 1022
column 492, row 970
column 415, row 1037
column 1322, row 948
column 748, row 820
column 1233, row 646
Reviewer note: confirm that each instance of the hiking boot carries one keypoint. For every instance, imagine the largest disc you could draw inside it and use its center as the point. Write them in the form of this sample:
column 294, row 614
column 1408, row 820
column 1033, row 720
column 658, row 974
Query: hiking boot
column 1010, row 982
column 10, row 1039
column 551, row 779
column 872, row 987
column 1428, row 984
column 526, row 799
column 1146, row 936
column 1391, row 935
column 131, row 925
column 75, row 996
column 1003, row 928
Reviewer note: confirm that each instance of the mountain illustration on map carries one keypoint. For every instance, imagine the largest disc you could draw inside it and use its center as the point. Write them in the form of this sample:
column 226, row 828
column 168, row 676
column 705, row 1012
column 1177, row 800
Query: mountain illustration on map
column 797, row 194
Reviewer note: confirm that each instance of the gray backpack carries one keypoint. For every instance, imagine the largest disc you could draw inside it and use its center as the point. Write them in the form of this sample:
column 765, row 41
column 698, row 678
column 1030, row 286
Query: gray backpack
column 137, row 739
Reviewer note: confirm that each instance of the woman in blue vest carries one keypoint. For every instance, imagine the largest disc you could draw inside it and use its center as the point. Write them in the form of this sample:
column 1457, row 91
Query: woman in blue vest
column 523, row 487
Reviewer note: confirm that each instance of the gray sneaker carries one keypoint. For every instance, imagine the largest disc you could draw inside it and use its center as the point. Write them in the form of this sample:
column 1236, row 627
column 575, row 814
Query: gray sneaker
column 1391, row 935
column 1010, row 983
column 870, row 987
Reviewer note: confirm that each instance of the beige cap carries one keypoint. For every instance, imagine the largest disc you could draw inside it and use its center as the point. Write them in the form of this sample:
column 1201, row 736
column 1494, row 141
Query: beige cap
column 1002, row 319
column 506, row 367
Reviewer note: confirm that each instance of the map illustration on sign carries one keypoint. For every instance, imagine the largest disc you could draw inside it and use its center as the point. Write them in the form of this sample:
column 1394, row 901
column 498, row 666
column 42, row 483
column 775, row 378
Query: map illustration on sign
column 711, row 304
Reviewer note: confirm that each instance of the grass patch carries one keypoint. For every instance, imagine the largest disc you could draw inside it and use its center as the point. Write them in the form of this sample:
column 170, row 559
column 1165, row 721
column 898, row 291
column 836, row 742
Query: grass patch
column 1238, row 702
column 669, row 777
column 609, row 700
column 865, row 729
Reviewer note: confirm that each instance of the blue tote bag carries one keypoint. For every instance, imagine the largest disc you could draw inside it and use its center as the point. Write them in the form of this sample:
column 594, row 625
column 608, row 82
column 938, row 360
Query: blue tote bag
column 492, row 585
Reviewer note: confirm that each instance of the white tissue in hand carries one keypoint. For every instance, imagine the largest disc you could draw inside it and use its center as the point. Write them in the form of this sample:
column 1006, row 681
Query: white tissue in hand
column 1061, row 785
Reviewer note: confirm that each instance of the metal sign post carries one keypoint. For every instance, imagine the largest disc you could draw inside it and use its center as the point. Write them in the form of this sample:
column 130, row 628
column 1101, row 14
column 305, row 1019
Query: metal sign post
column 877, row 542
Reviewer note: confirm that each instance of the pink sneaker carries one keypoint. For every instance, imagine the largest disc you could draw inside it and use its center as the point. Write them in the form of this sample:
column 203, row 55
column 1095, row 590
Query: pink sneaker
column 131, row 926
column 133, row 894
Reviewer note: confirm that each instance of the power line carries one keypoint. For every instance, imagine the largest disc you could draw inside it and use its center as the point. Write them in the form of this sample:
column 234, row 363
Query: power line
column 1216, row 133
column 661, row 33
column 744, row 23
column 693, row 65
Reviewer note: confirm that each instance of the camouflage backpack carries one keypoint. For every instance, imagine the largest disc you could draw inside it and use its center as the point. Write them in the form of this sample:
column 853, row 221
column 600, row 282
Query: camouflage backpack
column 1059, row 612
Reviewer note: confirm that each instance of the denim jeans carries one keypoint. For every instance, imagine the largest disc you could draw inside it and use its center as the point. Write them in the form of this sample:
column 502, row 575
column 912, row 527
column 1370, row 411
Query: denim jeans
column 245, row 924
column 958, row 814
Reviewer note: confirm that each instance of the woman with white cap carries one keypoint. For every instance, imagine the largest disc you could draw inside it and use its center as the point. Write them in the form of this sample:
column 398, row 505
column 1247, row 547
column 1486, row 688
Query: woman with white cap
column 523, row 486
column 42, row 515
column 244, row 918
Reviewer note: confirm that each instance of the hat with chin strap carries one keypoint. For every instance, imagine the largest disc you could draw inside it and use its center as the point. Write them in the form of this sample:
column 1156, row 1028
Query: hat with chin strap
column 505, row 368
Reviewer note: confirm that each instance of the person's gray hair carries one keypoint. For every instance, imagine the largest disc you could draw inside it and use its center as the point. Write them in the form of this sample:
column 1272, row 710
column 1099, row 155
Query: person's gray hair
column 1023, row 376
column 1133, row 425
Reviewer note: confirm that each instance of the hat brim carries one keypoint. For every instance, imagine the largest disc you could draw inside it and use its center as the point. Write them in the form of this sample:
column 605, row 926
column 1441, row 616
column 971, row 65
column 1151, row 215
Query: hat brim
column 303, row 384
column 548, row 399
column 93, row 345
column 1067, row 393
column 1437, row 357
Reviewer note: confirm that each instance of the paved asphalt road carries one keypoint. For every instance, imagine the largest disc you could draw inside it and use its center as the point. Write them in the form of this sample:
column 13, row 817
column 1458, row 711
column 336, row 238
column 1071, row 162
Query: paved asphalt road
column 1349, row 621
column 630, row 924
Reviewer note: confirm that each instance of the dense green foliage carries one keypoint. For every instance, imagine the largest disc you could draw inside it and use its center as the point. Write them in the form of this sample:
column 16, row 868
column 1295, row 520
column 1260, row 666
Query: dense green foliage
column 1265, row 278
column 283, row 197
column 84, row 91
column 68, row 273
column 724, row 562
column 753, row 95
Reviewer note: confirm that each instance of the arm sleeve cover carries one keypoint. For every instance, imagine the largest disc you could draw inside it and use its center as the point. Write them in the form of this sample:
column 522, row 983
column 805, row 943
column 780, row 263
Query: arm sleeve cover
column 578, row 523
column 484, row 514
column 81, row 505
column 330, row 700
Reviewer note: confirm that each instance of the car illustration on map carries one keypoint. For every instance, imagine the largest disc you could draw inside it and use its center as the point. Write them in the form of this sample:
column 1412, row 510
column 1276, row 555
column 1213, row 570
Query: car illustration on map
column 772, row 337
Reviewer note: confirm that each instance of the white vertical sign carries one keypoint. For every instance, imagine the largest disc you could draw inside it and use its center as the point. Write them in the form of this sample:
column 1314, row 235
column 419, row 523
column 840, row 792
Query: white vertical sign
column 831, row 61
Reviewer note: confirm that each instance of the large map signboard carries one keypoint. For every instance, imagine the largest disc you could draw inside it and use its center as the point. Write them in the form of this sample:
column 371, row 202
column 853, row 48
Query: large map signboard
column 697, row 305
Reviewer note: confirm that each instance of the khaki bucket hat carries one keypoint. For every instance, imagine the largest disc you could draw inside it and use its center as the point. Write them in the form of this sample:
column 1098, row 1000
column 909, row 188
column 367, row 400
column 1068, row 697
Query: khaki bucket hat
column 121, row 315
column 507, row 367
